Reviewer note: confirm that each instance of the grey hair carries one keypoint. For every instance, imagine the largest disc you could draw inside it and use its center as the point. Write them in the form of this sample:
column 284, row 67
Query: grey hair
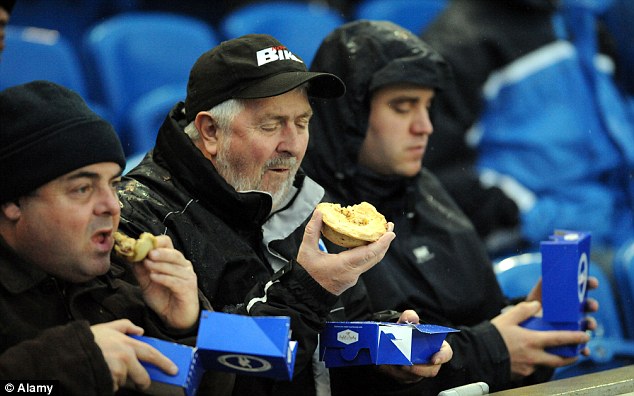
column 223, row 113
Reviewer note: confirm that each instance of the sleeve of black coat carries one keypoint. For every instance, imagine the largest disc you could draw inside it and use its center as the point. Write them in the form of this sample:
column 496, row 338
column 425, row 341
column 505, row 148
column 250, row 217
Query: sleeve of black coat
column 66, row 353
column 479, row 354
column 293, row 292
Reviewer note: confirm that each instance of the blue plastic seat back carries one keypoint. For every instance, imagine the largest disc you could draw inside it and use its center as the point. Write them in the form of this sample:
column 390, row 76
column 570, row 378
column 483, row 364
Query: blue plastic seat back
column 148, row 113
column 414, row 15
column 39, row 54
column 70, row 17
column 518, row 274
column 300, row 26
column 624, row 275
column 135, row 53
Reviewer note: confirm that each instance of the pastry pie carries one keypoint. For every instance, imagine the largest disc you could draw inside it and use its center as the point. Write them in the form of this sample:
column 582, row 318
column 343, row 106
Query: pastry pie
column 134, row 250
column 352, row 226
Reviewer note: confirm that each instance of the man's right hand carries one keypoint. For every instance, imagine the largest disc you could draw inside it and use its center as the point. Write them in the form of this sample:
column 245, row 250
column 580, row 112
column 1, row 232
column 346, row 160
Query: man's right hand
column 338, row 272
column 526, row 347
column 124, row 354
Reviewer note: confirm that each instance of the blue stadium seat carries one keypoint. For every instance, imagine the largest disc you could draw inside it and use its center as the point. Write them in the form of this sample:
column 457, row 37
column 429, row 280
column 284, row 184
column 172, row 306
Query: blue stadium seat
column 518, row 274
column 623, row 267
column 298, row 25
column 70, row 17
column 138, row 52
column 413, row 15
column 148, row 113
column 39, row 54
column 33, row 53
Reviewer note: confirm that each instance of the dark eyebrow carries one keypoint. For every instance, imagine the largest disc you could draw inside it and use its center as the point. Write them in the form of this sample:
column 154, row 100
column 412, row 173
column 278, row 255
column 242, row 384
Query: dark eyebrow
column 89, row 175
column 402, row 99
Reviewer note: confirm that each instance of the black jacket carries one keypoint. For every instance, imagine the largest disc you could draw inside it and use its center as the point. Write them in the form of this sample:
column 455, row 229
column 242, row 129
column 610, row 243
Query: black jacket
column 437, row 265
column 176, row 191
column 45, row 325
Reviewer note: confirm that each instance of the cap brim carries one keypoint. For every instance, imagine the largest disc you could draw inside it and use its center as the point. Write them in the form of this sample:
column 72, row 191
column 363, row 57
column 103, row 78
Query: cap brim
column 322, row 85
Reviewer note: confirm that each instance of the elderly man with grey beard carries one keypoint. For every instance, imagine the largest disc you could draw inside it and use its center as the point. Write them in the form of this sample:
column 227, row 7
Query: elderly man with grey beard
column 223, row 181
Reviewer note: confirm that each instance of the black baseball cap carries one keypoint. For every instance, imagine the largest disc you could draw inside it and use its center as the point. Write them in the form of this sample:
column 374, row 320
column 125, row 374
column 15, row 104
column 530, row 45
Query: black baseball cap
column 251, row 67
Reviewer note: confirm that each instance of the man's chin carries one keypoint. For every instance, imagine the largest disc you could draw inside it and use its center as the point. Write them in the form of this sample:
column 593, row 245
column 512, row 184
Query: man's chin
column 280, row 196
column 101, row 266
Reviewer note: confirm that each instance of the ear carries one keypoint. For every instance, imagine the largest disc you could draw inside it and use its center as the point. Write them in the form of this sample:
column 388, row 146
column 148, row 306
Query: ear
column 11, row 210
column 208, row 130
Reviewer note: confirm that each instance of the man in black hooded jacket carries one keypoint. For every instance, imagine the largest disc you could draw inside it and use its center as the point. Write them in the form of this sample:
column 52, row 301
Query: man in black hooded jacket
column 368, row 146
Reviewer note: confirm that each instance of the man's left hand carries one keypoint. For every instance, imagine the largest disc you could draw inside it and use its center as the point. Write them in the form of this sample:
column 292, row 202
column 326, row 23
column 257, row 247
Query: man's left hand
column 415, row 373
column 169, row 285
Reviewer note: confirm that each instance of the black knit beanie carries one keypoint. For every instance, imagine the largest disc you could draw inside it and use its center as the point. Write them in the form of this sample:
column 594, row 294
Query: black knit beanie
column 46, row 131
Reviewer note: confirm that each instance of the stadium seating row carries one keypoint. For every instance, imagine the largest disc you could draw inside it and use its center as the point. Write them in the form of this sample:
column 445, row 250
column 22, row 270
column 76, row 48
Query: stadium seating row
column 133, row 66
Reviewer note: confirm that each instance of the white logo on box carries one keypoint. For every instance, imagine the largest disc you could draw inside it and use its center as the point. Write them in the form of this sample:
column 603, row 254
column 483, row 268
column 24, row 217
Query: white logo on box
column 582, row 280
column 246, row 363
column 348, row 337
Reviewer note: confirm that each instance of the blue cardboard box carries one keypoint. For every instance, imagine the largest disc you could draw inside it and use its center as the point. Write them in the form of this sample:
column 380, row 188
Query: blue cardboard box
column 247, row 345
column 186, row 381
column 375, row 343
column 565, row 269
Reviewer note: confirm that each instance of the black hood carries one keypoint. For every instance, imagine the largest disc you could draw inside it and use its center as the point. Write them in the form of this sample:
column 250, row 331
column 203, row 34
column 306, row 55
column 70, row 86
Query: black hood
column 366, row 55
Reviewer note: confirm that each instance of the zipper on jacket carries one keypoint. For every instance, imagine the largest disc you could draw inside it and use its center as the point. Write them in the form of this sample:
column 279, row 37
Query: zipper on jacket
column 61, row 290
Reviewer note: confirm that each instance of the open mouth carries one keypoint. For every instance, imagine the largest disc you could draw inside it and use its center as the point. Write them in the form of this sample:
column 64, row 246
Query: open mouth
column 103, row 240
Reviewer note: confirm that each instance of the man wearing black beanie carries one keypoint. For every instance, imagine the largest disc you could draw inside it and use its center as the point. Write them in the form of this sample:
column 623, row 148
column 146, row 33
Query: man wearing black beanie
column 65, row 317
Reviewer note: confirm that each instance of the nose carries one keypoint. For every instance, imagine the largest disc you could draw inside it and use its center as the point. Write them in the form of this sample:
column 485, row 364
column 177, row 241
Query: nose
column 292, row 139
column 421, row 123
column 107, row 202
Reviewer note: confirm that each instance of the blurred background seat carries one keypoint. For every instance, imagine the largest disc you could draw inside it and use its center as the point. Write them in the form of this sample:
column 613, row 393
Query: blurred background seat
column 39, row 54
column 413, row 15
column 134, row 53
column 300, row 26
column 70, row 17
column 608, row 347
column 623, row 267
column 34, row 53
column 148, row 113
